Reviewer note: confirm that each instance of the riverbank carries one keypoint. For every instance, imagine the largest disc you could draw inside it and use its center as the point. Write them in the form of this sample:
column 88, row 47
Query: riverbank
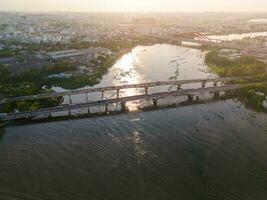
column 11, row 90
column 37, row 81
column 91, row 79
column 252, row 95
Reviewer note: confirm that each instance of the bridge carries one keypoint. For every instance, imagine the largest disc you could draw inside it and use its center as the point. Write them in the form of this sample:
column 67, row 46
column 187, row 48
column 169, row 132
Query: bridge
column 203, row 40
column 122, row 100
column 145, row 86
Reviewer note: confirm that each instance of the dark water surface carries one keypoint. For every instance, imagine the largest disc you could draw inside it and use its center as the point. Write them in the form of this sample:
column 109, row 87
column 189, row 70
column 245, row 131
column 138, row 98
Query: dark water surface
column 210, row 151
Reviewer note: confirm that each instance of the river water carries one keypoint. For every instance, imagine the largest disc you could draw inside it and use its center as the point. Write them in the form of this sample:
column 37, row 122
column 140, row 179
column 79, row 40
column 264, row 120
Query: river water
column 214, row 150
column 232, row 37
column 147, row 64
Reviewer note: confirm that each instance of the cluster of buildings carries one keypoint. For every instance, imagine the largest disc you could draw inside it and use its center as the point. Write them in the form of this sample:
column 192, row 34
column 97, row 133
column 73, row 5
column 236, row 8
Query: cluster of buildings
column 85, row 60
column 47, row 28
column 63, row 28
column 66, row 28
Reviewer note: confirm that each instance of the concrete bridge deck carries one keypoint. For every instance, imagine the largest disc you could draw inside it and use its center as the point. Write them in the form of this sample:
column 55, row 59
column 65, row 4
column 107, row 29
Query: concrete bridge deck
column 120, row 87
column 123, row 100
column 222, row 44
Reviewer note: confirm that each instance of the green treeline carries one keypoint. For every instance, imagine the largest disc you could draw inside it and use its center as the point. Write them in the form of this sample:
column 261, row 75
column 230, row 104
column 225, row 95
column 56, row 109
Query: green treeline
column 253, row 94
column 26, row 84
column 60, row 66
column 31, row 105
column 32, row 81
column 243, row 66
column 5, row 53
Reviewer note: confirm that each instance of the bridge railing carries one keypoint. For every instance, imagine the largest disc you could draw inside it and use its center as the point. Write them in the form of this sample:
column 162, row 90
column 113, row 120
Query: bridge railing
column 119, row 87
column 106, row 102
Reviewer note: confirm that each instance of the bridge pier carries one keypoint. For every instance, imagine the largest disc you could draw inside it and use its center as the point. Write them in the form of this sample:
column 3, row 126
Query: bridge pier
column 70, row 99
column 146, row 90
column 197, row 98
column 88, row 110
column 102, row 93
column 190, row 98
column 118, row 93
column 179, row 87
column 106, row 109
column 69, row 112
column 215, row 84
column 123, row 106
column 155, row 102
column 203, row 84
column 216, row 94
column 86, row 95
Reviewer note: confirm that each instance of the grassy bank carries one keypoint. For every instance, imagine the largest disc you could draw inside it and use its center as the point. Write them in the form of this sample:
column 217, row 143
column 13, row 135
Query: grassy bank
column 252, row 95
column 82, row 80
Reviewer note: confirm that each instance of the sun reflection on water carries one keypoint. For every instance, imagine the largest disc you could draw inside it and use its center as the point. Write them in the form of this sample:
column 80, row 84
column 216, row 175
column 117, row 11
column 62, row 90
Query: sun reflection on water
column 126, row 70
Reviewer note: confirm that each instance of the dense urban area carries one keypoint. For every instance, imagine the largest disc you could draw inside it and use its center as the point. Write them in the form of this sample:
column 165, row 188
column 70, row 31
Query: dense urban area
column 73, row 50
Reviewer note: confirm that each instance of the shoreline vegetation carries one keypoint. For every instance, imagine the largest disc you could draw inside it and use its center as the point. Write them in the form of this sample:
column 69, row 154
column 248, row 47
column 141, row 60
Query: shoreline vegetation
column 34, row 82
column 251, row 95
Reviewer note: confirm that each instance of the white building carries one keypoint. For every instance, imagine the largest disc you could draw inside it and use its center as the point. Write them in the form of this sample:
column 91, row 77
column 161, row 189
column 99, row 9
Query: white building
column 65, row 54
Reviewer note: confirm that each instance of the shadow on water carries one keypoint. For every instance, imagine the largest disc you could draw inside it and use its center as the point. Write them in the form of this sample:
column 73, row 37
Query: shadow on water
column 113, row 113
column 2, row 132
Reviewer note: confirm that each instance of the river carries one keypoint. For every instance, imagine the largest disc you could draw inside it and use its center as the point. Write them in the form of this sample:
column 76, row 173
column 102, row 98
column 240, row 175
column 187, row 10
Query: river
column 214, row 150
column 232, row 37
column 147, row 64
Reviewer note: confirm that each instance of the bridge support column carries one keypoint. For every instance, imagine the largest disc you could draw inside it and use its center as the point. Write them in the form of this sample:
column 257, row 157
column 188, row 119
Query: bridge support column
column 86, row 94
column 118, row 93
column 203, row 84
column 216, row 94
column 123, row 106
column 197, row 98
column 70, row 99
column 146, row 90
column 88, row 110
column 179, row 87
column 103, row 95
column 190, row 98
column 69, row 112
column 106, row 109
column 215, row 84
column 155, row 102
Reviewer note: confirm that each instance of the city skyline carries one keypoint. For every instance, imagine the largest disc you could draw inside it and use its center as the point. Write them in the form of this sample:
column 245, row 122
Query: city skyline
column 134, row 5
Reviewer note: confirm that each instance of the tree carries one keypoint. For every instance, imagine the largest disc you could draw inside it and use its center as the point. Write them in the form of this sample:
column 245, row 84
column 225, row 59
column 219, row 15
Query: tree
column 5, row 74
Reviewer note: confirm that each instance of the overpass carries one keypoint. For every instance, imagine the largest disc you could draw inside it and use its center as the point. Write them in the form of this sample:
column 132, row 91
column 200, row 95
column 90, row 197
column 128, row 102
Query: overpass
column 203, row 40
column 146, row 86
column 123, row 100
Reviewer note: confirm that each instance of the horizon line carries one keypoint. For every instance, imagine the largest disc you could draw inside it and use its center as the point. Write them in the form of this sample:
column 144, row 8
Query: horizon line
column 120, row 11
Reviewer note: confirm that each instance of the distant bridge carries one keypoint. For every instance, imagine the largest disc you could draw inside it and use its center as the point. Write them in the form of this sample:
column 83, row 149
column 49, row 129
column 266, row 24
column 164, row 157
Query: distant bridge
column 123, row 100
column 203, row 40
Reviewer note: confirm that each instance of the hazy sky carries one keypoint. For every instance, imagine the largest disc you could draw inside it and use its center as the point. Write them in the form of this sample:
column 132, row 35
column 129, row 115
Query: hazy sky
column 134, row 5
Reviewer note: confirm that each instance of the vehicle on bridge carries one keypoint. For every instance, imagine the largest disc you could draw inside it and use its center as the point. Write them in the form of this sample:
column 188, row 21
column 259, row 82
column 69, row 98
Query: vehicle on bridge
column 2, row 115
